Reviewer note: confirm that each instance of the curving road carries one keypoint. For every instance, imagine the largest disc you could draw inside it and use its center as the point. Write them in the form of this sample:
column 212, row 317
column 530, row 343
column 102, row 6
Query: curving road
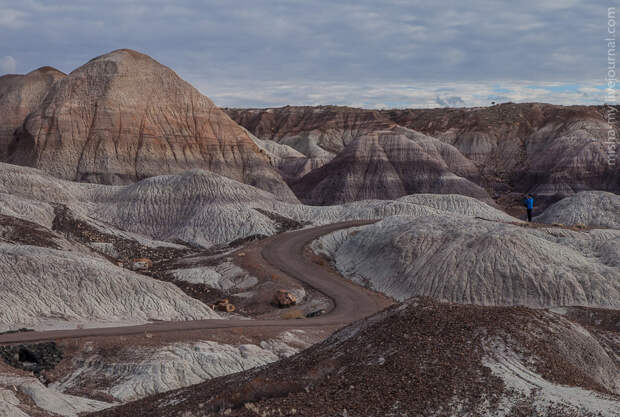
column 285, row 252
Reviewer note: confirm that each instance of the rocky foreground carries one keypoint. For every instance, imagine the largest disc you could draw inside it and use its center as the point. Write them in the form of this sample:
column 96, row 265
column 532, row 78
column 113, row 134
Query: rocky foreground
column 423, row 358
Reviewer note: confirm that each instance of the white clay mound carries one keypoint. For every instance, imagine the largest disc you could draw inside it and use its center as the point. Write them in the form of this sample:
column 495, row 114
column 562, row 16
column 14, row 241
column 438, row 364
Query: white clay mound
column 40, row 285
column 589, row 208
column 467, row 260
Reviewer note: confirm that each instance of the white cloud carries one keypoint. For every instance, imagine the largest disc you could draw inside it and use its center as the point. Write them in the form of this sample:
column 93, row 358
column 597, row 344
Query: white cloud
column 251, row 93
column 12, row 19
column 450, row 101
column 8, row 65
column 277, row 52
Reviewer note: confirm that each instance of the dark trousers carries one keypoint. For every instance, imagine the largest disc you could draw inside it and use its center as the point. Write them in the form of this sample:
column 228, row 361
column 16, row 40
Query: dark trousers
column 529, row 215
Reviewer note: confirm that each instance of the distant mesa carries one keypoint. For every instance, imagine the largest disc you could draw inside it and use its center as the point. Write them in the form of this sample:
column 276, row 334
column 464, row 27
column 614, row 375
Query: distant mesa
column 553, row 151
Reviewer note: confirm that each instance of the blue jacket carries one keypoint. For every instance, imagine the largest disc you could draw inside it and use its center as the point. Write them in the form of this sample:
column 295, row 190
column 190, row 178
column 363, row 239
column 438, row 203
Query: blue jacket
column 529, row 203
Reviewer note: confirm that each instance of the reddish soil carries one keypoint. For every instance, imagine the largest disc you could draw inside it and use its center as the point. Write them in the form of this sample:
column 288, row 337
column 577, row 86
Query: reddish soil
column 420, row 358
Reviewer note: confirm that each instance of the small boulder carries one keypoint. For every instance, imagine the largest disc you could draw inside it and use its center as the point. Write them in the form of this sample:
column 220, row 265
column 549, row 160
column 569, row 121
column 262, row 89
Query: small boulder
column 283, row 299
column 224, row 305
column 316, row 313
column 141, row 264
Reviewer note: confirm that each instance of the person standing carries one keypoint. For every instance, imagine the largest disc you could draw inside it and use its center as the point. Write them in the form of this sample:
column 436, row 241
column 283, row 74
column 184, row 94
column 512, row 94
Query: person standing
column 529, row 204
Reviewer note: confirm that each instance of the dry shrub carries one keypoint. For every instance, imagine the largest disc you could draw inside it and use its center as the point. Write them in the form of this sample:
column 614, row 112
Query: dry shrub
column 293, row 314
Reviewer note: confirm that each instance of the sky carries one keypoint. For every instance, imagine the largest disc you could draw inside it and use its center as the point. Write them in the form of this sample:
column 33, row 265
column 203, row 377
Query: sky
column 363, row 53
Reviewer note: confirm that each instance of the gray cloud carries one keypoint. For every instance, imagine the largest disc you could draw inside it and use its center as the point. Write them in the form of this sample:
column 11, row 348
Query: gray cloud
column 288, row 50
column 450, row 101
column 8, row 64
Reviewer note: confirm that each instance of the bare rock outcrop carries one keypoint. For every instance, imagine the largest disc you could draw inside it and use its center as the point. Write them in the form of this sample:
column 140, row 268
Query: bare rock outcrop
column 291, row 163
column 319, row 133
column 313, row 131
column 41, row 399
column 553, row 151
column 123, row 117
column 133, row 373
column 388, row 164
column 19, row 96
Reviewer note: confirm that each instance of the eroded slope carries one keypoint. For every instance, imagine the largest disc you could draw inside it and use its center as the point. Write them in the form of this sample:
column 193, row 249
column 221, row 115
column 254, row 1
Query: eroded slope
column 472, row 260
column 420, row 358
column 123, row 117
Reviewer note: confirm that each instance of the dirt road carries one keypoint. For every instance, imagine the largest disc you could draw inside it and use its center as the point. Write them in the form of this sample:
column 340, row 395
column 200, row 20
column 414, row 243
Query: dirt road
column 285, row 252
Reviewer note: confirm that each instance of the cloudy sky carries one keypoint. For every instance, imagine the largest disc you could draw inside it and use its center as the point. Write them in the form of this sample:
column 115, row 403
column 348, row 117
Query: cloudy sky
column 375, row 54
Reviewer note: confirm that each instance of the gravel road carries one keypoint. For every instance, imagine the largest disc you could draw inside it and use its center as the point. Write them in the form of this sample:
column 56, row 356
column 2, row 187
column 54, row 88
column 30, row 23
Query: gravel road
column 283, row 251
